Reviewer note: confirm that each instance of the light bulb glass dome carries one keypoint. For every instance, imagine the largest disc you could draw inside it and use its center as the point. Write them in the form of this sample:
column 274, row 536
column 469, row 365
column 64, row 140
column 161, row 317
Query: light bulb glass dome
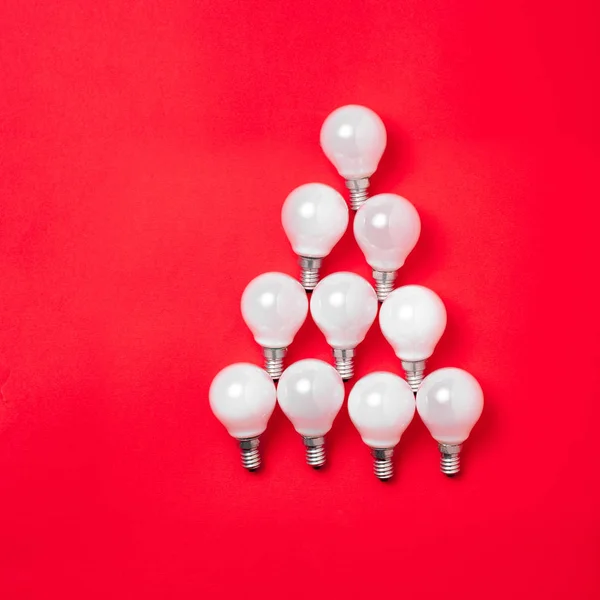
column 344, row 306
column 242, row 396
column 413, row 319
column 274, row 306
column 353, row 138
column 381, row 406
column 450, row 402
column 311, row 393
column 387, row 228
column 314, row 217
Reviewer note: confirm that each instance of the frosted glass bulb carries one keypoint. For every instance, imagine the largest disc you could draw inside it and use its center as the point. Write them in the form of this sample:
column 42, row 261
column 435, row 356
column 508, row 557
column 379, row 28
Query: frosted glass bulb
column 311, row 393
column 242, row 396
column 381, row 406
column 344, row 306
column 386, row 229
column 314, row 217
column 450, row 402
column 413, row 319
column 353, row 138
column 274, row 306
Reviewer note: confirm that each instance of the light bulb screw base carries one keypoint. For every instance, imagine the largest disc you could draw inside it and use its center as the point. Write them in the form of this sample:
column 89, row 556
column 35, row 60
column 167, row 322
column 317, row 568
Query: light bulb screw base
column 309, row 271
column 250, row 453
column 315, row 451
column 359, row 191
column 274, row 361
column 344, row 362
column 450, row 459
column 384, row 283
column 383, row 466
column 414, row 371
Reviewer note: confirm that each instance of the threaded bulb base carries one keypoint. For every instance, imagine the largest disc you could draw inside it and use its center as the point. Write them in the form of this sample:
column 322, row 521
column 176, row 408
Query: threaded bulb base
column 309, row 272
column 414, row 380
column 450, row 459
column 344, row 362
column 384, row 283
column 414, row 371
column 309, row 279
column 250, row 453
column 359, row 191
column 315, row 451
column 383, row 466
column 274, row 358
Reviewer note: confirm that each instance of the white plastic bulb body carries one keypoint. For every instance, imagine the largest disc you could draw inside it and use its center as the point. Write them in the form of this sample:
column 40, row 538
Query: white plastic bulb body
column 344, row 306
column 353, row 138
column 314, row 217
column 311, row 393
column 450, row 402
column 242, row 396
column 386, row 229
column 274, row 306
column 381, row 406
column 413, row 319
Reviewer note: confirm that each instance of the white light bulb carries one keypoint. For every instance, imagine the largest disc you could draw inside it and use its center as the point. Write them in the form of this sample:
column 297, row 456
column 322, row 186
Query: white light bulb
column 386, row 230
column 413, row 319
column 344, row 306
column 381, row 406
column 242, row 396
column 314, row 217
column 450, row 402
column 274, row 306
column 353, row 138
column 311, row 393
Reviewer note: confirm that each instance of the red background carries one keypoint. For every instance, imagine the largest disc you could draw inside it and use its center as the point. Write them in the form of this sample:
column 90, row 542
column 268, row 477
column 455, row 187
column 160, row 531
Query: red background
column 146, row 149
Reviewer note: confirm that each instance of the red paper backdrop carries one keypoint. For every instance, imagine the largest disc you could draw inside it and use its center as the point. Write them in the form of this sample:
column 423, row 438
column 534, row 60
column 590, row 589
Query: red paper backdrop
column 146, row 148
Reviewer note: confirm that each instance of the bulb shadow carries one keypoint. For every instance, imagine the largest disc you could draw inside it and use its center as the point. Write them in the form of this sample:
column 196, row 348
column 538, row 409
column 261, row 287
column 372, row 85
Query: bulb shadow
column 487, row 429
column 278, row 424
column 397, row 160
column 415, row 434
column 309, row 343
column 452, row 345
column 427, row 256
column 346, row 255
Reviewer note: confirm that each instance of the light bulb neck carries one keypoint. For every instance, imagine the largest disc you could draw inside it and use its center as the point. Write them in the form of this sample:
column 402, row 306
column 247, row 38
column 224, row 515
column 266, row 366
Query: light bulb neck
column 344, row 362
column 274, row 358
column 250, row 453
column 309, row 271
column 384, row 283
column 359, row 191
column 315, row 451
column 383, row 466
column 414, row 371
column 450, row 459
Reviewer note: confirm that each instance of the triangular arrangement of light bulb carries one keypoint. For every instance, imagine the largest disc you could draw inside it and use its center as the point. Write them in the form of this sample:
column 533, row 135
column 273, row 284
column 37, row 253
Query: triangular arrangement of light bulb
column 344, row 306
